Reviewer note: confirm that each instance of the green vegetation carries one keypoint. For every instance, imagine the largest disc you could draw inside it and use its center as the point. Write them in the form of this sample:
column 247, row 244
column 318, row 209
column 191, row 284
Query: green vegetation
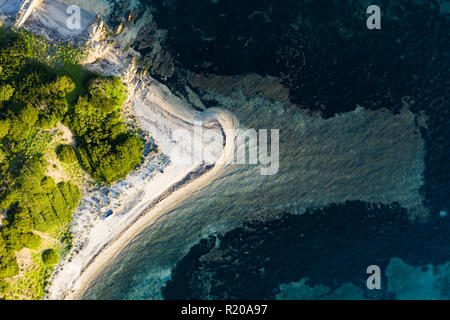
column 30, row 285
column 66, row 153
column 106, row 94
column 32, row 241
column 50, row 257
column 41, row 85
column 6, row 92
column 107, row 151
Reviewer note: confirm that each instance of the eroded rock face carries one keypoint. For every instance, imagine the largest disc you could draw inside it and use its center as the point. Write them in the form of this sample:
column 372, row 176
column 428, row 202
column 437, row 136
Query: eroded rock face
column 156, row 59
column 96, row 44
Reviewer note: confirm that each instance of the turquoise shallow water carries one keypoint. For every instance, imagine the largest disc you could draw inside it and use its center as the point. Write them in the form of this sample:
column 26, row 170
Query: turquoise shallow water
column 314, row 155
column 377, row 157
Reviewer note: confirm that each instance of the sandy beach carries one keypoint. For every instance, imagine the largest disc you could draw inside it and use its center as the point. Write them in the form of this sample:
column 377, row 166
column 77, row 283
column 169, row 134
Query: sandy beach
column 374, row 156
column 157, row 197
column 147, row 197
column 110, row 217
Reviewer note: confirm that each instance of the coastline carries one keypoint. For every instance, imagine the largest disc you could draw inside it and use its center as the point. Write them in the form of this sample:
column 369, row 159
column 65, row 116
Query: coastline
column 146, row 219
column 193, row 179
column 146, row 194
column 148, row 99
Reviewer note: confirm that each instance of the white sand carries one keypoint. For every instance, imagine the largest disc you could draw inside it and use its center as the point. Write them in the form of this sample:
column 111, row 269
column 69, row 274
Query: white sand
column 160, row 182
column 134, row 207
column 108, row 218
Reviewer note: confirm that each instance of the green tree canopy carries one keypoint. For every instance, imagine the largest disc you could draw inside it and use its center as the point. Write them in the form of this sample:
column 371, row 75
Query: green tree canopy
column 50, row 257
column 4, row 127
column 31, row 240
column 6, row 92
column 34, row 97
column 66, row 153
column 106, row 94
column 48, row 184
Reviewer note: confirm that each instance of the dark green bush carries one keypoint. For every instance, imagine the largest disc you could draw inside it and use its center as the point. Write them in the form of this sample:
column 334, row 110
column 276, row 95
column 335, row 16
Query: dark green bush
column 66, row 153
column 107, row 151
column 8, row 266
column 31, row 240
column 48, row 184
column 34, row 96
column 18, row 130
column 4, row 287
column 4, row 127
column 50, row 257
column 106, row 94
column 6, row 92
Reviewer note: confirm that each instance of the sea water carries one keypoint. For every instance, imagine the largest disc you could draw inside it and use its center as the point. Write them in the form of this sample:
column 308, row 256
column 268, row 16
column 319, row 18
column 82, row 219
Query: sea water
column 372, row 156
column 343, row 169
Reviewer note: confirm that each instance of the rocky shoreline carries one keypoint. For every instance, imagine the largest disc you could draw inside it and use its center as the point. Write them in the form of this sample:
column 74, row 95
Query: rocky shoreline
column 107, row 213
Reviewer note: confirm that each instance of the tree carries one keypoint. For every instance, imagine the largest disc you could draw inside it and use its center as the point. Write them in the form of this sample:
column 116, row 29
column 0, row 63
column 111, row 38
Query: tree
column 18, row 130
column 21, row 219
column 31, row 241
column 50, row 257
column 48, row 184
column 33, row 96
column 47, row 121
column 15, row 52
column 66, row 154
column 4, row 287
column 106, row 94
column 8, row 262
column 28, row 115
column 63, row 85
column 4, row 127
column 6, row 92
column 8, row 266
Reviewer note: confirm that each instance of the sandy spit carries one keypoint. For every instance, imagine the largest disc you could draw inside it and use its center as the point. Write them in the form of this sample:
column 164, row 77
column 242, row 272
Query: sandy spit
column 109, row 218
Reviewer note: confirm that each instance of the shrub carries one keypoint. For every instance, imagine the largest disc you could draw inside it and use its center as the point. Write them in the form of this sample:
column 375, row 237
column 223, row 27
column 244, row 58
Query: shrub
column 28, row 115
column 106, row 94
column 47, row 121
column 48, row 184
column 66, row 154
column 50, row 257
column 63, row 85
column 107, row 151
column 34, row 96
column 4, row 127
column 14, row 54
column 8, row 262
column 21, row 220
column 8, row 266
column 4, row 287
column 6, row 92
column 31, row 240
column 18, row 130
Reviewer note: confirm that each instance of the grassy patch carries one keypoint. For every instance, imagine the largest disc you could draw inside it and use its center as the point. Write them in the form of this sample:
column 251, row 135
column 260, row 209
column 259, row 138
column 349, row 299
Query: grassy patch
column 31, row 283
